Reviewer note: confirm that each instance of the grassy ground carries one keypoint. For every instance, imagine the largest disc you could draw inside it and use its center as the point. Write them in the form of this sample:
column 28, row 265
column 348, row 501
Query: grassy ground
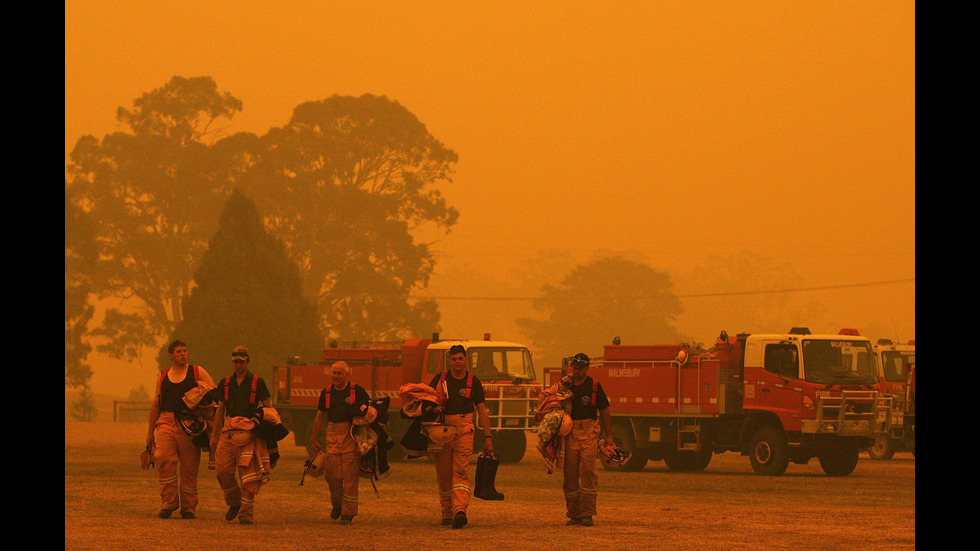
column 110, row 503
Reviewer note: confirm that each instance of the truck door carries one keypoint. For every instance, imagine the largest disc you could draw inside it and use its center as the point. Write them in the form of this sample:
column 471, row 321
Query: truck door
column 781, row 390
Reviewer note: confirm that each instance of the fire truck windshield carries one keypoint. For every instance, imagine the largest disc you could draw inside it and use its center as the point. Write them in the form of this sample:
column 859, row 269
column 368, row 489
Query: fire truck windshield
column 838, row 361
column 500, row 363
column 893, row 364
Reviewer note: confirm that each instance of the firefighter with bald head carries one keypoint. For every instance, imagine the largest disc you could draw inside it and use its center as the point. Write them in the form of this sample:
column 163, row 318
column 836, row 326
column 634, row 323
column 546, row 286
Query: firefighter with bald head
column 339, row 404
column 462, row 394
column 590, row 406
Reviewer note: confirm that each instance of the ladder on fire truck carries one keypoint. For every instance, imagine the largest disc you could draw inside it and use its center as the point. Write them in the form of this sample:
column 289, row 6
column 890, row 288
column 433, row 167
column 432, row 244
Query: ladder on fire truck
column 689, row 434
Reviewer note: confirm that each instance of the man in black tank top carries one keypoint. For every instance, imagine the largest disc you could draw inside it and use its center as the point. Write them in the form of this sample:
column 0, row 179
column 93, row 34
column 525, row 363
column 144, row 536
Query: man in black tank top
column 172, row 448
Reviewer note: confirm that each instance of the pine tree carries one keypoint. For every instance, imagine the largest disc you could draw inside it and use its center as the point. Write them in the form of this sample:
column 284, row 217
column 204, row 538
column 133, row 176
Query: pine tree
column 248, row 292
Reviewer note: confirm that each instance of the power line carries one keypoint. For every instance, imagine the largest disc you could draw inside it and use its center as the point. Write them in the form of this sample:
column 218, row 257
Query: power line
column 698, row 295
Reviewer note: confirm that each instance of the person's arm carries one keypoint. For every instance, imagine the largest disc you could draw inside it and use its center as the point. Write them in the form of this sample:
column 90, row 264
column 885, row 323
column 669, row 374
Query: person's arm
column 481, row 411
column 205, row 376
column 219, row 423
column 606, row 421
column 154, row 414
column 317, row 425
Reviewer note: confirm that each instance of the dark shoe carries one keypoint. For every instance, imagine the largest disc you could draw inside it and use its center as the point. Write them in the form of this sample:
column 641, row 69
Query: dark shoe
column 245, row 522
column 587, row 521
column 346, row 519
column 447, row 522
column 335, row 513
column 459, row 520
column 232, row 512
column 188, row 515
column 165, row 513
column 573, row 522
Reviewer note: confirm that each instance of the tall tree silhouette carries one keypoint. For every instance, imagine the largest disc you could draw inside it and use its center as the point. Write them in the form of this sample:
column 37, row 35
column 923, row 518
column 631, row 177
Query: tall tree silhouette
column 248, row 292
column 150, row 194
column 347, row 182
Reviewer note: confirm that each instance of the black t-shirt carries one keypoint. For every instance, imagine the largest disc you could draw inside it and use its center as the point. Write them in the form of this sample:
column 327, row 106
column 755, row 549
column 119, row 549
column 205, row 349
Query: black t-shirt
column 582, row 406
column 171, row 393
column 340, row 410
column 239, row 403
column 458, row 403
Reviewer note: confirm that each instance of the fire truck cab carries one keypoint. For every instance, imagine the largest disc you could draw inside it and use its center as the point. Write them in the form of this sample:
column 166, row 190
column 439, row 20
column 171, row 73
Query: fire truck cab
column 896, row 378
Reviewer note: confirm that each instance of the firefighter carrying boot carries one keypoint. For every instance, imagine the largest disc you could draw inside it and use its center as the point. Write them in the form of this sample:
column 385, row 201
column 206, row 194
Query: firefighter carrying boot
column 486, row 473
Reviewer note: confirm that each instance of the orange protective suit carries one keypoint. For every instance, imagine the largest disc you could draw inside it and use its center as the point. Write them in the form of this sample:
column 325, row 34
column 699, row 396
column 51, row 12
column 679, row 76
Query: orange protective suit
column 239, row 456
column 581, row 482
column 453, row 465
column 342, row 466
column 174, row 446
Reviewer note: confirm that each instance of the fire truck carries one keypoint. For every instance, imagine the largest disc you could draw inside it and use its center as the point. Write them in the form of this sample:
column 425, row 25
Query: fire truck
column 896, row 375
column 777, row 398
column 505, row 368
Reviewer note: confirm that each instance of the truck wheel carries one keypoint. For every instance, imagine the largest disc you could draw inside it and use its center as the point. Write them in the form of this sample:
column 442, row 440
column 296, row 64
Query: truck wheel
column 769, row 452
column 883, row 447
column 687, row 460
column 911, row 444
column 624, row 440
column 509, row 445
column 838, row 461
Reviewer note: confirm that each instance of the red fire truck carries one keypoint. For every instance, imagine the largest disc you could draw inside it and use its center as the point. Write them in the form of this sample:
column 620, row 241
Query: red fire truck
column 505, row 368
column 896, row 375
column 776, row 398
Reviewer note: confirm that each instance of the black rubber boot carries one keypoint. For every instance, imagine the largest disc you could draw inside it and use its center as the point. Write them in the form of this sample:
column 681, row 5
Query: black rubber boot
column 486, row 472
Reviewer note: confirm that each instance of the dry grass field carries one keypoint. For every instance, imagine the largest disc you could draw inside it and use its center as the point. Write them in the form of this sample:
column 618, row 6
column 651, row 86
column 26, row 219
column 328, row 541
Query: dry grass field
column 110, row 503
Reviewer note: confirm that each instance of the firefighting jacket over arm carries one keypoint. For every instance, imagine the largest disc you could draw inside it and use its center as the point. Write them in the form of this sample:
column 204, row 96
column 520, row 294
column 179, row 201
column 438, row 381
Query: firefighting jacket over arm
column 419, row 399
column 587, row 399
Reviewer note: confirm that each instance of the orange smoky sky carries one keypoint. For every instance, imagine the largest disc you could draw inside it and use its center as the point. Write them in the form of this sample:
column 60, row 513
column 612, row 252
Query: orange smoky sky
column 670, row 130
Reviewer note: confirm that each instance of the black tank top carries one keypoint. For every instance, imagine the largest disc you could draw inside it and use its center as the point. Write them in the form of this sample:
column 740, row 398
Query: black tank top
column 171, row 393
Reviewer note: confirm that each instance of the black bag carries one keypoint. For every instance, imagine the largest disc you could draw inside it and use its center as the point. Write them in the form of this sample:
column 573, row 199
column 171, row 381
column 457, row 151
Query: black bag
column 486, row 473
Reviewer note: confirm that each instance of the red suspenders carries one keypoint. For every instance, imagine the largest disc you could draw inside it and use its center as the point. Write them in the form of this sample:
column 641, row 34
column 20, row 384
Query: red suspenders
column 251, row 396
column 469, row 383
column 327, row 396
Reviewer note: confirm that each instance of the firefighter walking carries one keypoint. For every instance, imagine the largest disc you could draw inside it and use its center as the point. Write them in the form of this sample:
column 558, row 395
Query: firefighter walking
column 177, row 457
column 462, row 393
column 238, row 454
column 590, row 406
column 338, row 405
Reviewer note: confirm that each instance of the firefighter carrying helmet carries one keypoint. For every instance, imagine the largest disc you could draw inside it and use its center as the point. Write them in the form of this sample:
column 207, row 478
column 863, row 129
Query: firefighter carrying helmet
column 611, row 454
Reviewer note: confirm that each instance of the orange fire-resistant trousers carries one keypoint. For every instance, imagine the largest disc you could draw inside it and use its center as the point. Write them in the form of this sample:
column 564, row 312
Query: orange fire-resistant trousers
column 175, row 448
column 342, row 467
column 581, row 479
column 453, row 466
column 227, row 465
